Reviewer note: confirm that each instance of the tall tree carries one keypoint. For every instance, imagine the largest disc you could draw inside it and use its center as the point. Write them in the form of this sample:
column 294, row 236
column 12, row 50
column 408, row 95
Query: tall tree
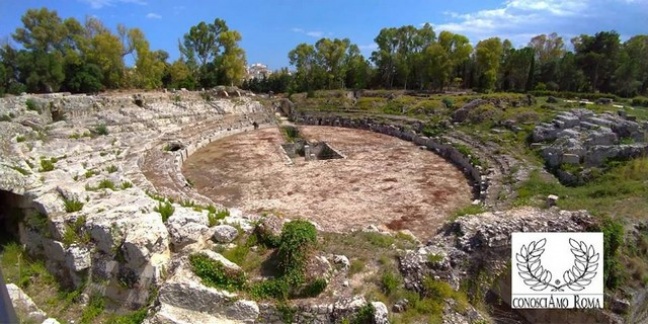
column 304, row 58
column 488, row 53
column 232, row 62
column 597, row 56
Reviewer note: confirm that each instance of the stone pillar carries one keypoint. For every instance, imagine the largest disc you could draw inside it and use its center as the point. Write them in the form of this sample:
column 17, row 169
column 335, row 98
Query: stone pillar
column 307, row 152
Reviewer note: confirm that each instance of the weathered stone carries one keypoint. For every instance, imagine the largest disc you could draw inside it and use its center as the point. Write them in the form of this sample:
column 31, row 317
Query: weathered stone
column 381, row 314
column 342, row 260
column 224, row 233
column 25, row 305
column 187, row 227
column 243, row 310
column 552, row 200
column 77, row 258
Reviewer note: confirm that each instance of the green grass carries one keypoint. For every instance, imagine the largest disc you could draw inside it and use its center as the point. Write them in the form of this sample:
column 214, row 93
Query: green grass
column 357, row 266
column 101, row 130
column 32, row 105
column 20, row 138
column 126, row 185
column 215, row 274
column 95, row 307
column 75, row 233
column 21, row 170
column 112, row 169
column 214, row 216
column 90, row 174
column 72, row 205
column 19, row 268
column 165, row 209
column 106, row 184
column 468, row 210
column 47, row 165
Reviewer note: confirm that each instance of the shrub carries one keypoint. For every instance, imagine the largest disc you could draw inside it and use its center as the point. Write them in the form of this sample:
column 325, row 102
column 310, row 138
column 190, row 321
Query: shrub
column 90, row 173
column 165, row 209
column 214, row 274
column 297, row 239
column 72, row 205
column 32, row 105
column 448, row 102
column 314, row 288
column 272, row 288
column 46, row 165
column 215, row 215
column 112, row 169
column 126, row 185
column 389, row 282
column 94, row 308
column 106, row 184
column 101, row 129
column 364, row 315
column 20, row 138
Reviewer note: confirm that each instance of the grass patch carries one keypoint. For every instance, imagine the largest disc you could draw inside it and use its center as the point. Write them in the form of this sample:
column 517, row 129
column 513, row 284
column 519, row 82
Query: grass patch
column 214, row 274
column 20, row 138
column 72, row 205
column 75, row 233
column 90, row 173
column 19, row 268
column 47, row 165
column 125, row 185
column 32, row 105
column 214, row 216
column 112, row 169
column 95, row 307
column 468, row 210
column 21, row 170
column 165, row 209
column 101, row 130
column 357, row 265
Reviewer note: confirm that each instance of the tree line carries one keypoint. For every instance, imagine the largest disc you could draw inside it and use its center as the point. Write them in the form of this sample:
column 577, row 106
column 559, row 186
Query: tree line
column 58, row 54
column 418, row 58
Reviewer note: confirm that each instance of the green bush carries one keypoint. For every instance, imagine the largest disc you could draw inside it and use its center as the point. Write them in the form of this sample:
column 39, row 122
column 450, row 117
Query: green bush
column 314, row 288
column 101, row 130
column 364, row 315
column 126, row 185
column 273, row 288
column 389, row 282
column 32, row 105
column 20, row 138
column 46, row 165
column 215, row 215
column 165, row 209
column 448, row 102
column 112, row 169
column 72, row 205
column 106, row 184
column 214, row 274
column 297, row 240
column 94, row 308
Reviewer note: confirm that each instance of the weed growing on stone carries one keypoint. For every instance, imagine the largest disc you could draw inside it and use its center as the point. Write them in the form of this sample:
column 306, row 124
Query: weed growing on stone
column 357, row 266
column 214, row 274
column 165, row 209
column 46, row 165
column 101, row 130
column 112, row 169
column 32, row 105
column 72, row 205
column 21, row 170
column 126, row 185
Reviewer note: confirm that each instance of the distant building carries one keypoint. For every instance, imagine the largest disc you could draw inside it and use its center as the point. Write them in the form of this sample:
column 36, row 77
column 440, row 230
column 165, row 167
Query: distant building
column 258, row 70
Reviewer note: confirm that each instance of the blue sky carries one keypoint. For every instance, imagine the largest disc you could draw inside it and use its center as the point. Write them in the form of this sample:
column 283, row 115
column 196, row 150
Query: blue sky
column 271, row 29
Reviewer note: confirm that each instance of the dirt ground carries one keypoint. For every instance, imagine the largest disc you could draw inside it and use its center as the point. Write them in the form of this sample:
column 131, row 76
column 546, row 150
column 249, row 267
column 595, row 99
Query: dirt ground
column 382, row 181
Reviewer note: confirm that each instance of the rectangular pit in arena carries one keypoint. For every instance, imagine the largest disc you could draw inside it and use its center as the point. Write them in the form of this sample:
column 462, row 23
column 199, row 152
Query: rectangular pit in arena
column 313, row 151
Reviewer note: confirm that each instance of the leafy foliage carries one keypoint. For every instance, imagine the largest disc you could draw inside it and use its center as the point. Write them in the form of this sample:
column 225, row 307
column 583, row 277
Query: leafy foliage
column 214, row 274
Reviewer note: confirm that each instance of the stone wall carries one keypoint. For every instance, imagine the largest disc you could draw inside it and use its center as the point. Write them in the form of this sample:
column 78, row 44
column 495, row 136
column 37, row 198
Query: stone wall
column 408, row 132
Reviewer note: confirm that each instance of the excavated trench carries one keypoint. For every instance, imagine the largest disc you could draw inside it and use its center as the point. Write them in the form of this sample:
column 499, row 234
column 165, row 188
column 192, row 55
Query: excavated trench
column 381, row 180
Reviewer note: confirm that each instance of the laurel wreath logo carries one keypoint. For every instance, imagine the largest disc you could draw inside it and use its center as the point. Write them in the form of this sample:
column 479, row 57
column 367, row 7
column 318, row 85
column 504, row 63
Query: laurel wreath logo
column 538, row 278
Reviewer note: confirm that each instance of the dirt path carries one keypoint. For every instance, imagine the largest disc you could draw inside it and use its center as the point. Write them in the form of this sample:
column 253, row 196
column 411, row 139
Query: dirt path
column 383, row 181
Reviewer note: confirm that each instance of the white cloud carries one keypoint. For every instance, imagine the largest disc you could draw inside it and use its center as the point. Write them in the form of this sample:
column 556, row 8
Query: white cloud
column 519, row 19
column 152, row 15
column 98, row 4
column 313, row 33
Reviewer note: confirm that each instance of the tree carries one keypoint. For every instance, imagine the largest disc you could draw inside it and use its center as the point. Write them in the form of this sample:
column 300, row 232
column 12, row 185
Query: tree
column 487, row 56
column 304, row 58
column 597, row 56
column 358, row 71
column 385, row 56
column 181, row 76
column 232, row 65
column 331, row 57
column 631, row 77
column 149, row 69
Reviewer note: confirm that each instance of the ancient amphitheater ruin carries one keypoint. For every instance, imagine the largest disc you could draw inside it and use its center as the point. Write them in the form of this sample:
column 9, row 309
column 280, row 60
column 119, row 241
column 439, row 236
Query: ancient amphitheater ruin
column 84, row 181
